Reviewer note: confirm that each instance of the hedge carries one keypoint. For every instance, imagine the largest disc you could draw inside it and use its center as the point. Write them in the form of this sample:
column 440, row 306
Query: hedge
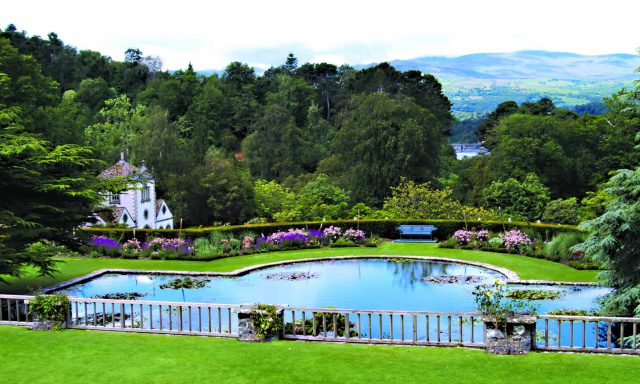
column 383, row 228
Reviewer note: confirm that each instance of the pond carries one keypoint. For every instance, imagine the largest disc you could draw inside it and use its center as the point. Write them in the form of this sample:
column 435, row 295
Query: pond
column 404, row 284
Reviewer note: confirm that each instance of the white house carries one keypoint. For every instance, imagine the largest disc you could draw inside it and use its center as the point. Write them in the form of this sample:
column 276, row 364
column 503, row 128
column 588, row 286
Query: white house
column 137, row 207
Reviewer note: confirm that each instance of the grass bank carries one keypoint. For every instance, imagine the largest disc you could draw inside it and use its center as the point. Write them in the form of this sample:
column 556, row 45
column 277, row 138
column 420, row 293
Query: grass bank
column 102, row 357
column 526, row 267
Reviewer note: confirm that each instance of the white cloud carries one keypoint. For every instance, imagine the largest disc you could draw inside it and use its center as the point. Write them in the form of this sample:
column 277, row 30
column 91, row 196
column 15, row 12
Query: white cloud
column 211, row 34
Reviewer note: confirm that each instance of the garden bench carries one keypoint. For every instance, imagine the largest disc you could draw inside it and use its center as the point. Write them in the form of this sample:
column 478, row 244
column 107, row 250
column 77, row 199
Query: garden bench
column 417, row 232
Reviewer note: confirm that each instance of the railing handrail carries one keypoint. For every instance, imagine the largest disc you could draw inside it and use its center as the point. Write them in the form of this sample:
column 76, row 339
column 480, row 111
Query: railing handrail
column 380, row 311
column 151, row 302
column 590, row 318
column 17, row 297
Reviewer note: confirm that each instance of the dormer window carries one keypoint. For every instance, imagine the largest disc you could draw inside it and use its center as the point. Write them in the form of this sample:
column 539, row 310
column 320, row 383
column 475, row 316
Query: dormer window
column 164, row 209
column 114, row 198
column 146, row 194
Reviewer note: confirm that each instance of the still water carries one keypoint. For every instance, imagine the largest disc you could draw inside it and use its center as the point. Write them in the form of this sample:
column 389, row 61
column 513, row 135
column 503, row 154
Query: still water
column 352, row 284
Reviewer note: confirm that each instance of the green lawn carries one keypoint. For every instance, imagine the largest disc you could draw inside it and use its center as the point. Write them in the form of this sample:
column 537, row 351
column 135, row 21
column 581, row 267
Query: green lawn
column 101, row 357
column 526, row 267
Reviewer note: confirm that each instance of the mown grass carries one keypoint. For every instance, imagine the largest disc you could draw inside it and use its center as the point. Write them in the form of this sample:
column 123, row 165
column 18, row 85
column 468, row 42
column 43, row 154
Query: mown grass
column 526, row 267
column 101, row 357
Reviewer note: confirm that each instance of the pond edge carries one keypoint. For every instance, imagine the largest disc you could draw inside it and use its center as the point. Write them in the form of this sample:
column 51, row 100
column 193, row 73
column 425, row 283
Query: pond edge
column 511, row 276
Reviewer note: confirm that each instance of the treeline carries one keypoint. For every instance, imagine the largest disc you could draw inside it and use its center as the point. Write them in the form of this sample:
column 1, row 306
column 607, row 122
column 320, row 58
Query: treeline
column 312, row 141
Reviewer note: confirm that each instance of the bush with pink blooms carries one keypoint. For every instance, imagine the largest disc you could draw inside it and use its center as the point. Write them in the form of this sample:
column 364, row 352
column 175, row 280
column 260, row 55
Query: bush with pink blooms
column 516, row 240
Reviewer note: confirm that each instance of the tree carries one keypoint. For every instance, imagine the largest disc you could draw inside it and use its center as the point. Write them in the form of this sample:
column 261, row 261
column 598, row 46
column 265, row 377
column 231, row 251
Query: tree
column 381, row 139
column 206, row 120
column 614, row 239
column 522, row 199
column 277, row 148
column 562, row 211
column 46, row 192
column 320, row 199
column 409, row 200
column 119, row 127
column 272, row 198
column 228, row 188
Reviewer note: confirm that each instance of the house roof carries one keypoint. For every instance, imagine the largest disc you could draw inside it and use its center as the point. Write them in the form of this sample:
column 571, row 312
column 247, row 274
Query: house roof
column 113, row 214
column 124, row 169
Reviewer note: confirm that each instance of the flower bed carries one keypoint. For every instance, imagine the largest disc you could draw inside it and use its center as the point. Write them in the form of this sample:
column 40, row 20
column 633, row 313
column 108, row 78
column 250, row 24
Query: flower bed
column 221, row 245
column 512, row 241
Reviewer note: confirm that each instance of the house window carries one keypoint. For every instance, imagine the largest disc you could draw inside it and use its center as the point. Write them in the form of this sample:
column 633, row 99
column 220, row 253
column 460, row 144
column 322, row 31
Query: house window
column 146, row 193
column 125, row 218
column 146, row 214
column 114, row 198
column 164, row 209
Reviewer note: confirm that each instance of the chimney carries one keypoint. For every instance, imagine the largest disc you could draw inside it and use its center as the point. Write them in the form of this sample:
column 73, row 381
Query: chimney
column 121, row 155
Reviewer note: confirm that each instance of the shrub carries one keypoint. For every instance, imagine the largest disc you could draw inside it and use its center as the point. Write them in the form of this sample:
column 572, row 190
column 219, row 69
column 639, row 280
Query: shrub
column 332, row 233
column 266, row 321
column 561, row 247
column 50, row 308
column 463, row 236
column 496, row 242
column 482, row 235
column 354, row 235
column 515, row 240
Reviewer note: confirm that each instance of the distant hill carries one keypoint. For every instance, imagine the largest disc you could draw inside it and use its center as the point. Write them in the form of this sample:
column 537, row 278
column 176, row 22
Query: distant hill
column 478, row 82
column 527, row 65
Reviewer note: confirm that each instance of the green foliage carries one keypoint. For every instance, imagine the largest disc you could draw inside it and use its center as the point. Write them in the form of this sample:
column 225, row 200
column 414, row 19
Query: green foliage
column 562, row 211
column 266, row 321
column 491, row 302
column 563, row 246
column 118, row 127
column 185, row 283
column 121, row 296
column 226, row 187
column 381, row 139
column 533, row 294
column 272, row 198
column 323, row 321
column 50, row 307
column 523, row 200
column 320, row 199
column 46, row 191
column 614, row 239
column 421, row 201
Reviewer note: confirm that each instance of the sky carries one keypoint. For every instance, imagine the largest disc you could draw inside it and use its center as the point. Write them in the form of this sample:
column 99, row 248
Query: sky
column 211, row 34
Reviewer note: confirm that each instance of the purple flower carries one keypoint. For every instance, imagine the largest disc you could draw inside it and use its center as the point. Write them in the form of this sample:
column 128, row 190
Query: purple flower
column 104, row 242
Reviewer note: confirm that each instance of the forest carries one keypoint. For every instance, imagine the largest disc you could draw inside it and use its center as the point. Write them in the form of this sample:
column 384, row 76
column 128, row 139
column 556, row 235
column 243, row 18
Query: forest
column 305, row 141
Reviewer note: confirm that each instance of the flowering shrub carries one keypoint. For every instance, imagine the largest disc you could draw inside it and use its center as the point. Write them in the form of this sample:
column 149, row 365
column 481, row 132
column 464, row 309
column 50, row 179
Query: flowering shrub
column 462, row 236
column 332, row 233
column 132, row 246
column 482, row 235
column 292, row 237
column 515, row 239
column 170, row 246
column 316, row 237
column 354, row 235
